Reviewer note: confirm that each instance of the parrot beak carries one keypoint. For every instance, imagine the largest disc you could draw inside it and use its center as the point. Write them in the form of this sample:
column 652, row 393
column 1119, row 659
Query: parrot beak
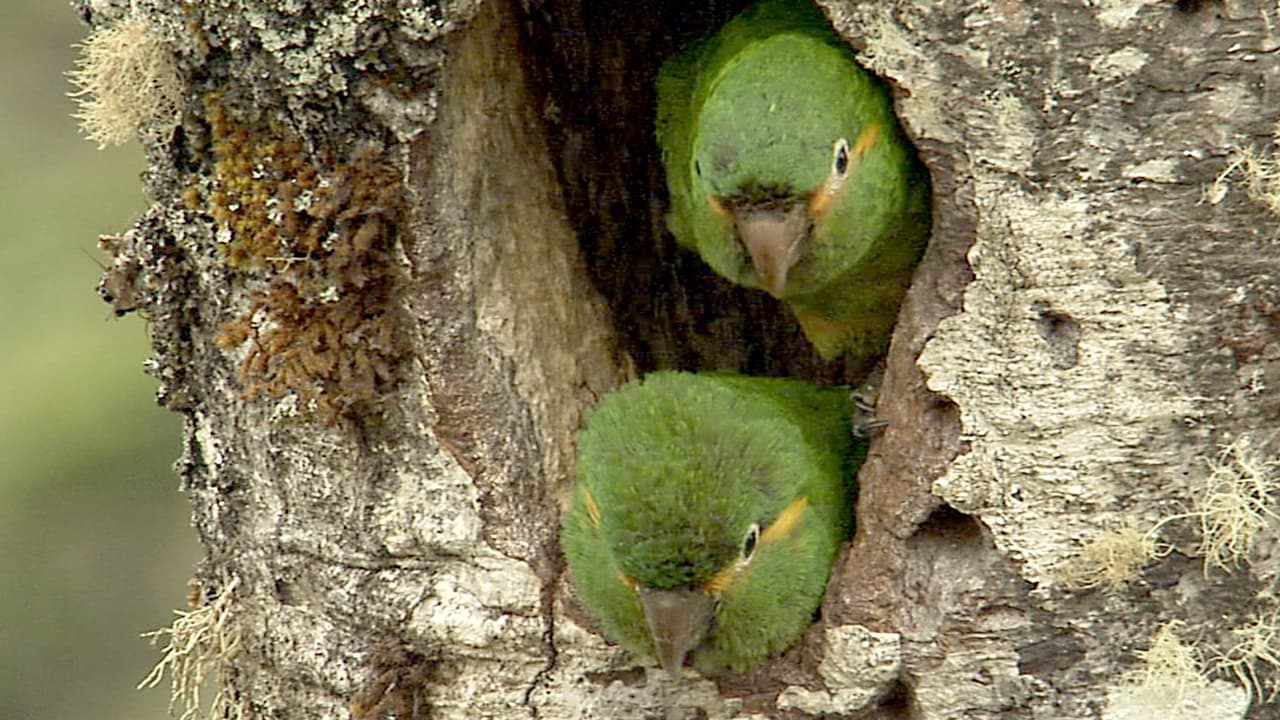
column 678, row 620
column 773, row 238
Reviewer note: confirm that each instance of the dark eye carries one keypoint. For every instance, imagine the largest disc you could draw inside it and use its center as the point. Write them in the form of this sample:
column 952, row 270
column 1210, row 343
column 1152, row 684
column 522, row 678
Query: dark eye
column 840, row 164
column 749, row 542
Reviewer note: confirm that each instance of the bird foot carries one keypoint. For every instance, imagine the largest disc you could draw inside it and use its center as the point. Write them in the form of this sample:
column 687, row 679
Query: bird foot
column 864, row 397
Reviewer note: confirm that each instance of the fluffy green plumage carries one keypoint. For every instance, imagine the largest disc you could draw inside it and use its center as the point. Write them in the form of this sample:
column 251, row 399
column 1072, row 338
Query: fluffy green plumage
column 750, row 123
column 674, row 472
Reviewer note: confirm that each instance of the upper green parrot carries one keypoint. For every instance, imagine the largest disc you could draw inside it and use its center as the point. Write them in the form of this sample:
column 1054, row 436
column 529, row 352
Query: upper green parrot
column 707, row 512
column 788, row 172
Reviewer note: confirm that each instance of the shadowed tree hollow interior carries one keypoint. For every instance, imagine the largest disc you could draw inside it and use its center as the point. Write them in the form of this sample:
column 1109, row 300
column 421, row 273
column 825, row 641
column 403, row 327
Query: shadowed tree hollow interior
column 594, row 67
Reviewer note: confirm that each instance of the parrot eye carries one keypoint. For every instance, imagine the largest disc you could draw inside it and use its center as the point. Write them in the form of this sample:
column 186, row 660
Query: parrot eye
column 840, row 163
column 749, row 542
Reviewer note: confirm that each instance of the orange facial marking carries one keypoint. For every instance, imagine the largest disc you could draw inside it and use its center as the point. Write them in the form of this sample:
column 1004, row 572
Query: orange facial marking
column 593, row 510
column 787, row 521
column 722, row 580
column 819, row 200
column 719, row 209
column 822, row 197
column 782, row 527
column 868, row 138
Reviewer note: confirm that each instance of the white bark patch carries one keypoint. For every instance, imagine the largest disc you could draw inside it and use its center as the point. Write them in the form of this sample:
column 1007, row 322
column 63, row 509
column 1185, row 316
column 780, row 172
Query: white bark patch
column 979, row 680
column 485, row 613
column 1116, row 14
column 892, row 52
column 1014, row 124
column 1164, row 170
column 490, row 603
column 1219, row 700
column 435, row 511
column 859, row 667
column 1119, row 64
column 1047, row 437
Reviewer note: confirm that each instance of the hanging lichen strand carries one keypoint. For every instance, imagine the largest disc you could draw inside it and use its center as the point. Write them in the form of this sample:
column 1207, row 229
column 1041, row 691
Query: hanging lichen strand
column 312, row 237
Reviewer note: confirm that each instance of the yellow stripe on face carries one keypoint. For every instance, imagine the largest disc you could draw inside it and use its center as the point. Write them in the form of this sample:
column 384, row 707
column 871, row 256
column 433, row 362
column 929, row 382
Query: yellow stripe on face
column 780, row 529
column 821, row 198
column 868, row 138
column 593, row 510
column 787, row 521
column 723, row 579
column 720, row 210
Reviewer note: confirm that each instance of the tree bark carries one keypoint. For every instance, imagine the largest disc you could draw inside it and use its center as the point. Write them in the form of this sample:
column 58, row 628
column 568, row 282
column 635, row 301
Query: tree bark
column 396, row 251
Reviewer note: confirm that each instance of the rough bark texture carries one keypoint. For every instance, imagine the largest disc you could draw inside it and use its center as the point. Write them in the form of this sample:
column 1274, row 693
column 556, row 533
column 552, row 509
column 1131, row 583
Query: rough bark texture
column 379, row 423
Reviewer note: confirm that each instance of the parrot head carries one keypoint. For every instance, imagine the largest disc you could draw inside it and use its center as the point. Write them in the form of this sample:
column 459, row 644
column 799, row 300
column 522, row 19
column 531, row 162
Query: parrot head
column 691, row 531
column 777, row 155
column 787, row 171
column 685, row 532
column 680, row 619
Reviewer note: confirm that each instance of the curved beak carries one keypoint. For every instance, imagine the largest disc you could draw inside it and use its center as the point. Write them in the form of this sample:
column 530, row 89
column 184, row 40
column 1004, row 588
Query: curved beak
column 773, row 238
column 678, row 620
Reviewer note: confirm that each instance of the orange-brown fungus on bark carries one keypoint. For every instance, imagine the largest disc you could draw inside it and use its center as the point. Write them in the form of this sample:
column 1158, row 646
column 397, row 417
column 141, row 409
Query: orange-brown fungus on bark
column 398, row 686
column 314, row 238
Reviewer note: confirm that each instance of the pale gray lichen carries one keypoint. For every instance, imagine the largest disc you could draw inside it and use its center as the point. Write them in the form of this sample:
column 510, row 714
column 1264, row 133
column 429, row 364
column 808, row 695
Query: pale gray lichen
column 1110, row 559
column 1170, row 682
column 128, row 83
column 1260, row 172
column 204, row 640
column 1235, row 506
column 1254, row 656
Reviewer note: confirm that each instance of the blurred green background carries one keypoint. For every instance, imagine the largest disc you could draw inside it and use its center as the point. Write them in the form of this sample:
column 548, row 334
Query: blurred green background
column 95, row 539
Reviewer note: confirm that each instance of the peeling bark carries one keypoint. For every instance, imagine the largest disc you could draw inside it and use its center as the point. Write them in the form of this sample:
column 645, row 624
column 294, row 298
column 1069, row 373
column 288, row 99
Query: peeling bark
column 1085, row 333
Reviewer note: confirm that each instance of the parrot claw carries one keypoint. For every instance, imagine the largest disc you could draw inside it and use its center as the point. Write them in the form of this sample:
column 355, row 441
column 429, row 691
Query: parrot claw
column 864, row 398
column 865, row 429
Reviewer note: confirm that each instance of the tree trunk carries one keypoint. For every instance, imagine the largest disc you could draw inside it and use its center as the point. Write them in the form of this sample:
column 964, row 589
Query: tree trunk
column 396, row 251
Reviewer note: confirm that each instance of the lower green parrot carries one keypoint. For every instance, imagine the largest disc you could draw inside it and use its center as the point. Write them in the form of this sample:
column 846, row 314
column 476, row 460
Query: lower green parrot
column 787, row 171
column 707, row 512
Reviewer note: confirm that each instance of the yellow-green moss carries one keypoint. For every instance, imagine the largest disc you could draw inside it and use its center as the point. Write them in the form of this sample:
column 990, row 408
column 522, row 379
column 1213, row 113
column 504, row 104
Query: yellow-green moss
column 313, row 236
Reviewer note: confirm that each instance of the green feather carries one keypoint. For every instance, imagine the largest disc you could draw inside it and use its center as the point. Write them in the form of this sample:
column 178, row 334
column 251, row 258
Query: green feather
column 674, row 471
column 751, row 117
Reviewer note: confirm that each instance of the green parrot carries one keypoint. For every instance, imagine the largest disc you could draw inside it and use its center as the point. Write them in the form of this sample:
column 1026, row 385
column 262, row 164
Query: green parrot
column 788, row 172
column 707, row 512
